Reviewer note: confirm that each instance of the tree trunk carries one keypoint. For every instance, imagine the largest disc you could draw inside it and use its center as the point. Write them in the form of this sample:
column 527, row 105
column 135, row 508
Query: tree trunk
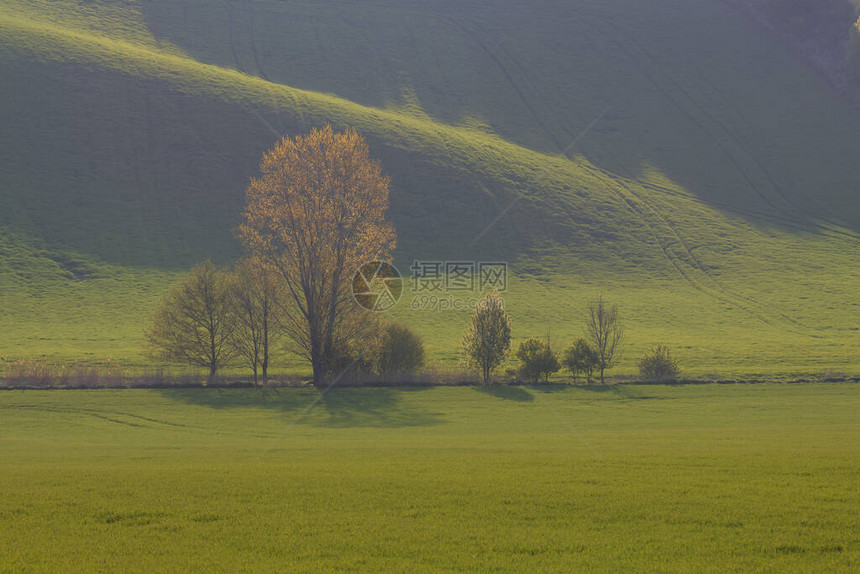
column 265, row 363
column 318, row 365
column 213, row 365
column 255, row 361
column 265, row 366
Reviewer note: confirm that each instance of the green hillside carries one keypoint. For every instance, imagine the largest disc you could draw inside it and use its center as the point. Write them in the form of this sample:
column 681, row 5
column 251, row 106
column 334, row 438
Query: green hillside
column 668, row 155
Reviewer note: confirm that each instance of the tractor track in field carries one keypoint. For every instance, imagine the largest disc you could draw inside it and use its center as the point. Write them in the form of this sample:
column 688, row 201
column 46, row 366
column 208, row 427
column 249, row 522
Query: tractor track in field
column 231, row 31
column 691, row 269
column 733, row 140
column 789, row 214
column 554, row 110
column 483, row 41
column 138, row 421
column 247, row 11
column 673, row 246
column 251, row 13
column 234, row 37
column 822, row 222
column 691, row 114
column 670, row 241
column 765, row 218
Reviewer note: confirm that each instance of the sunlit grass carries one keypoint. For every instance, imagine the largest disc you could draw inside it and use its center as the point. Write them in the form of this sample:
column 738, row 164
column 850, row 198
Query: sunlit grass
column 725, row 477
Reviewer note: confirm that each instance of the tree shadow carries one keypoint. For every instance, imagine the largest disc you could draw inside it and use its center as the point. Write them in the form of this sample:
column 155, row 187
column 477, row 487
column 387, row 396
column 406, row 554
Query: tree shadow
column 621, row 391
column 547, row 388
column 598, row 388
column 373, row 407
column 337, row 407
column 509, row 393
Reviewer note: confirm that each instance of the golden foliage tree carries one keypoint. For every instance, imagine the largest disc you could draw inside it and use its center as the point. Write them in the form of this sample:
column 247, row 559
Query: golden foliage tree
column 194, row 323
column 313, row 217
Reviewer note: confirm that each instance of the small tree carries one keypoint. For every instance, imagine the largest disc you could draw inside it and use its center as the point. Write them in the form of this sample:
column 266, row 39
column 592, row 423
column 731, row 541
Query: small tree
column 604, row 333
column 658, row 364
column 581, row 359
column 193, row 324
column 488, row 338
column 537, row 359
column 401, row 351
column 254, row 304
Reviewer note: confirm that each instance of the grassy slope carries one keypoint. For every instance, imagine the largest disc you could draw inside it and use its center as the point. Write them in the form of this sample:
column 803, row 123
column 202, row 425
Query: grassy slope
column 740, row 477
column 715, row 200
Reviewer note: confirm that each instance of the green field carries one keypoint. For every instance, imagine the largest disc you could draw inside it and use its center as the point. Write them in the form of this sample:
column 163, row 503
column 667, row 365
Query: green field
column 629, row 478
column 714, row 197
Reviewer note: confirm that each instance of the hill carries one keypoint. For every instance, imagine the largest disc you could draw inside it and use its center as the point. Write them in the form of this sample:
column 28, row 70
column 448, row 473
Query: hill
column 670, row 156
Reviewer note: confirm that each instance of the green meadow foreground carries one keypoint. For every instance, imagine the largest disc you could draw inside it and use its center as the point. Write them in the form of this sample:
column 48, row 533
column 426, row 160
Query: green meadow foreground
column 691, row 478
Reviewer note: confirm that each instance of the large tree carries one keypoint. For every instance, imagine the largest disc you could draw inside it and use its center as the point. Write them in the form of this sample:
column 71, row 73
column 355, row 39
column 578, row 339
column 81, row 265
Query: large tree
column 194, row 324
column 314, row 216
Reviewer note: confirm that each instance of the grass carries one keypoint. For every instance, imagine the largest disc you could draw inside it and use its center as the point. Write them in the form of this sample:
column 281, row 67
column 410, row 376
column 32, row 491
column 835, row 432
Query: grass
column 714, row 201
column 700, row 478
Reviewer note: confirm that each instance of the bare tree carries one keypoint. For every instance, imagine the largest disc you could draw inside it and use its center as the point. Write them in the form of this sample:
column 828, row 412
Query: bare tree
column 605, row 333
column 254, row 304
column 488, row 339
column 193, row 324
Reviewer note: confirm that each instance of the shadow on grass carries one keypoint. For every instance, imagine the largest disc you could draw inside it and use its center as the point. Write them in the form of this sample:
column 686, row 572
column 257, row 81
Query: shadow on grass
column 551, row 387
column 599, row 388
column 341, row 408
column 621, row 391
column 518, row 394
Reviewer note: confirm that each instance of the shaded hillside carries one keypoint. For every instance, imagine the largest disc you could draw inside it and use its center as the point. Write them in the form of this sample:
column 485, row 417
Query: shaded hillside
column 709, row 183
column 823, row 33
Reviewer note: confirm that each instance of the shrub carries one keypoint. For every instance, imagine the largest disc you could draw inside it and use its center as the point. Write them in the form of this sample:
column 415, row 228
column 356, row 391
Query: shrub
column 581, row 359
column 537, row 359
column 658, row 364
column 349, row 364
column 401, row 351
